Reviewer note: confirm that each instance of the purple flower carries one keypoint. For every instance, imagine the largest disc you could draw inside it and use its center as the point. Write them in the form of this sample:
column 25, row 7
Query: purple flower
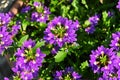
column 37, row 4
column 60, row 31
column 5, row 18
column 118, row 5
column 28, row 62
column 67, row 74
column 90, row 29
column 5, row 39
column 115, row 42
column 55, row 50
column 26, row 9
column 113, row 73
column 41, row 14
column 6, row 78
column 110, row 14
column 102, row 59
column 93, row 22
column 15, row 28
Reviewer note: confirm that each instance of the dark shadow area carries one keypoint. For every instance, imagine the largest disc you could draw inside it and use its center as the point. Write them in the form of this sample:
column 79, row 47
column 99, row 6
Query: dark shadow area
column 5, row 70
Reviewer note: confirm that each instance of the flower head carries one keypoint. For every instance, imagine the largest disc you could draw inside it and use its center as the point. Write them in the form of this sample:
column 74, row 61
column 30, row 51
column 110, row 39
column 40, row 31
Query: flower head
column 26, row 9
column 41, row 14
column 67, row 74
column 27, row 61
column 5, row 39
column 113, row 73
column 93, row 22
column 115, row 42
column 60, row 31
column 102, row 59
column 5, row 18
column 118, row 5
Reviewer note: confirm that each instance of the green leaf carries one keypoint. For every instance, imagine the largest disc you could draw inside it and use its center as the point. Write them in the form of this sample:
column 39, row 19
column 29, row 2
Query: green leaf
column 84, row 2
column 38, row 44
column 24, row 38
column 118, row 53
column 64, row 10
column 86, row 23
column 84, row 65
column 75, row 4
column 60, row 56
column 25, row 23
column 105, row 15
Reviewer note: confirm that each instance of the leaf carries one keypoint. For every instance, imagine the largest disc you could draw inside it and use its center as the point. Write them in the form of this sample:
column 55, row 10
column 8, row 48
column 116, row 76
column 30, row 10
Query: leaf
column 64, row 10
column 86, row 23
column 25, row 23
column 38, row 44
column 105, row 15
column 84, row 65
column 84, row 2
column 75, row 4
column 60, row 56
column 24, row 38
column 118, row 53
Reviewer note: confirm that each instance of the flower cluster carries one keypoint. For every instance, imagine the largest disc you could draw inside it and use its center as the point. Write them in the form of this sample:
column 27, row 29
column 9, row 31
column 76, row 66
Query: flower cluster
column 5, row 33
column 40, row 13
column 5, row 18
column 118, row 6
column 28, row 61
column 115, row 42
column 67, row 74
column 105, row 61
column 93, row 22
column 60, row 31
column 5, row 39
column 113, row 73
column 102, row 59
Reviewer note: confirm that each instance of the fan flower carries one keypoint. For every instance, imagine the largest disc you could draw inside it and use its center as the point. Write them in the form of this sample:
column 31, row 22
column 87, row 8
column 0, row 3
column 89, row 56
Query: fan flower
column 67, row 74
column 26, row 9
column 28, row 61
column 102, row 59
column 113, row 73
column 5, row 39
column 5, row 18
column 118, row 5
column 93, row 22
column 41, row 14
column 60, row 31
column 115, row 42
column 6, row 32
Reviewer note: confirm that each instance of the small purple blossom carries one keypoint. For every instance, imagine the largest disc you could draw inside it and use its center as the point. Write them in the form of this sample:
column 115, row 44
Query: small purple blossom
column 26, row 9
column 6, row 78
column 15, row 28
column 37, row 4
column 102, row 59
column 118, row 5
column 90, row 29
column 93, row 22
column 67, row 74
column 5, row 18
column 5, row 39
column 110, row 13
column 41, row 14
column 60, row 31
column 115, row 42
column 113, row 73
column 28, row 62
